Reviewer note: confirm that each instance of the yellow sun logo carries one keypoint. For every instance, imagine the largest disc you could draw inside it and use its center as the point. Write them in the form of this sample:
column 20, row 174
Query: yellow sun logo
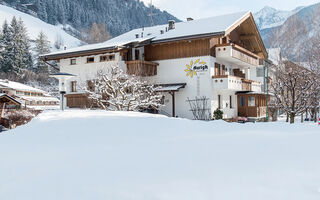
column 190, row 71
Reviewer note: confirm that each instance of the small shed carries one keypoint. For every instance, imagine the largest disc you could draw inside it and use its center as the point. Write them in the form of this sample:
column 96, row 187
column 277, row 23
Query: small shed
column 8, row 102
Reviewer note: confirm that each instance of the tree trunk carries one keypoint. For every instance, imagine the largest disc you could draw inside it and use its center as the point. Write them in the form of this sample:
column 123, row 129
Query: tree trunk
column 287, row 120
column 301, row 117
column 315, row 116
column 292, row 116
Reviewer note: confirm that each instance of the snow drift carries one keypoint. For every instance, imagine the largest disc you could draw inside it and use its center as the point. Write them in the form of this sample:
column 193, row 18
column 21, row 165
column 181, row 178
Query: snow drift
column 85, row 155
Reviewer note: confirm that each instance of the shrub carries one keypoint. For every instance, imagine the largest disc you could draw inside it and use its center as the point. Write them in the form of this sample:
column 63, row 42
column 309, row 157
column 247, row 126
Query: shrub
column 218, row 114
column 14, row 118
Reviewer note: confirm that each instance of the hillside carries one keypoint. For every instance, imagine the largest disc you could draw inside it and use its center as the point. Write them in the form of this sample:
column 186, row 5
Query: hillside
column 85, row 155
column 296, row 35
column 35, row 25
column 119, row 16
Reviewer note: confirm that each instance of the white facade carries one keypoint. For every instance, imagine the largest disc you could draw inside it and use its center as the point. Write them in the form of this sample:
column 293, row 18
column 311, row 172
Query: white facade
column 227, row 69
column 84, row 71
column 172, row 71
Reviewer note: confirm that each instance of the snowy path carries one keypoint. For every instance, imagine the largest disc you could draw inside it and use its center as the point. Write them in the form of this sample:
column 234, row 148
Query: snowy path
column 91, row 155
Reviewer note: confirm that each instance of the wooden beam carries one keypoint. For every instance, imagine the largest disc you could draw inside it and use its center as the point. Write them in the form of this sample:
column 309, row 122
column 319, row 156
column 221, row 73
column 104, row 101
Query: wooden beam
column 248, row 37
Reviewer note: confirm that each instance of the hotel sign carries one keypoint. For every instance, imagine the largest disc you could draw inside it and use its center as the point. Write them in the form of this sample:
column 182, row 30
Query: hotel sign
column 196, row 67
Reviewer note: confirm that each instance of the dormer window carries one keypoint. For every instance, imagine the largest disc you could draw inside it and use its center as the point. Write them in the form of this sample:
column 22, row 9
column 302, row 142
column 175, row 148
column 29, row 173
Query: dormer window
column 90, row 60
column 73, row 62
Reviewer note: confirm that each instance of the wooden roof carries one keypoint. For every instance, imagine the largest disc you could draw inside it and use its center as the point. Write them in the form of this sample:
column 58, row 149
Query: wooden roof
column 248, row 33
column 4, row 98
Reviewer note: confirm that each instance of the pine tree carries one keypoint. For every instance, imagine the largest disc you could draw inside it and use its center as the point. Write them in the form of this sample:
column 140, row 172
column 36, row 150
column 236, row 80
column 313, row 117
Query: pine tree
column 22, row 58
column 42, row 46
column 42, row 12
column 7, row 61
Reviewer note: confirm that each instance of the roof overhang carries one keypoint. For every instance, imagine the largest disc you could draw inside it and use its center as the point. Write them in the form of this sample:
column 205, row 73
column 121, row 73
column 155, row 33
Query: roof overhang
column 174, row 87
column 190, row 37
column 61, row 55
column 9, row 99
column 256, row 35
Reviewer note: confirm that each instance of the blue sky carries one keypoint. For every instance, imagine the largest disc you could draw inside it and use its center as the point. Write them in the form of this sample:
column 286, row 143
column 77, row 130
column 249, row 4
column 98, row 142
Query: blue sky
column 206, row 8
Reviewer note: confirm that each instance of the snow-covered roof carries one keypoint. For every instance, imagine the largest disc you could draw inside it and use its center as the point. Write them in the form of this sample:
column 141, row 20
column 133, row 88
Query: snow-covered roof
column 18, row 86
column 171, row 87
column 213, row 25
column 44, row 99
column 13, row 99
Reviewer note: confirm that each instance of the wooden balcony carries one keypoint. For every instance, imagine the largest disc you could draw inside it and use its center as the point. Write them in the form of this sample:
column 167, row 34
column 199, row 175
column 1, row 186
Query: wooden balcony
column 141, row 68
column 237, row 54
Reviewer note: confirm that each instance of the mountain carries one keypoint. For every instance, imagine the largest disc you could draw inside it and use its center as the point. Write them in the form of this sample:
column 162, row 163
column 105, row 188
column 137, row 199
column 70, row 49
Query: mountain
column 119, row 16
column 296, row 36
column 269, row 17
column 35, row 25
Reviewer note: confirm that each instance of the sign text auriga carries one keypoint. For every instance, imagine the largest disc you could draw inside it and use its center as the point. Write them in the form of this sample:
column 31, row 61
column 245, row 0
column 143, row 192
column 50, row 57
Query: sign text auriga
column 195, row 67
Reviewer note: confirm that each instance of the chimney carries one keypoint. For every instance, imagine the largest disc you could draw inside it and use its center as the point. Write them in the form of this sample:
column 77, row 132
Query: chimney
column 161, row 32
column 137, row 35
column 171, row 24
column 189, row 19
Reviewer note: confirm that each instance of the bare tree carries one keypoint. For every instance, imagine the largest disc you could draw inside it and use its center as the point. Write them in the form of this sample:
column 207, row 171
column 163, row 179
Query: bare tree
column 117, row 91
column 200, row 108
column 97, row 33
column 293, row 88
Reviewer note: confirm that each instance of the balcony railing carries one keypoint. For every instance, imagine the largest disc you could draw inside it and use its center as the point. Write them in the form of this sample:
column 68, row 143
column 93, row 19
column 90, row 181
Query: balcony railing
column 237, row 53
column 141, row 68
column 228, row 82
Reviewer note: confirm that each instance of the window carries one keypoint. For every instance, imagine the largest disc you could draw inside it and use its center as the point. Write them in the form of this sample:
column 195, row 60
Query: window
column 230, row 101
column 219, row 101
column 137, row 54
column 73, row 62
column 217, row 69
column 90, row 60
column 73, row 86
column 260, row 72
column 91, row 87
column 223, row 70
column 252, row 101
column 242, row 101
column 112, row 57
column 103, row 58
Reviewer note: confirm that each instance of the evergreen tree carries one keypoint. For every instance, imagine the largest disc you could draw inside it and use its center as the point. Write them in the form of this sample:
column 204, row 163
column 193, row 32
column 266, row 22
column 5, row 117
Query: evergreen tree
column 6, row 45
column 42, row 46
column 42, row 12
column 22, row 58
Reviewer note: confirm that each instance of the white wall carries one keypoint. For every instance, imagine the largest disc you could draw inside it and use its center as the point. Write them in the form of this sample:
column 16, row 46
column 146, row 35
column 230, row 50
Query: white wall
column 173, row 71
column 84, row 71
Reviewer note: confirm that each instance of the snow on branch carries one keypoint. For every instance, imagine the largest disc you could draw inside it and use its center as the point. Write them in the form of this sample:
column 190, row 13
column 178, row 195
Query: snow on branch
column 117, row 91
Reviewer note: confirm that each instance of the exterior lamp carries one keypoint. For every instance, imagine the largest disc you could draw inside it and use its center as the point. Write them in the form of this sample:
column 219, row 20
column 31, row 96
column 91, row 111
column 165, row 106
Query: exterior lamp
column 62, row 77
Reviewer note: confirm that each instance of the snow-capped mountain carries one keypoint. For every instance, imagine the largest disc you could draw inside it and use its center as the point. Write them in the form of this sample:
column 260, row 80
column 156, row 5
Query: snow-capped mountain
column 269, row 17
column 35, row 25
column 296, row 35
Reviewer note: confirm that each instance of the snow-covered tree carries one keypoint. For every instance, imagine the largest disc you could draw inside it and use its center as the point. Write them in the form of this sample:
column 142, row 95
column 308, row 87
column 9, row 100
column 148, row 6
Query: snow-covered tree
column 314, row 65
column 115, row 90
column 6, row 46
column 42, row 12
column 42, row 46
column 293, row 88
column 58, row 43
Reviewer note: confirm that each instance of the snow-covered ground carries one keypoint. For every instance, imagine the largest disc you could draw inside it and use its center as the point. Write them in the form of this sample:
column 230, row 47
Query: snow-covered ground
column 35, row 25
column 86, row 155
